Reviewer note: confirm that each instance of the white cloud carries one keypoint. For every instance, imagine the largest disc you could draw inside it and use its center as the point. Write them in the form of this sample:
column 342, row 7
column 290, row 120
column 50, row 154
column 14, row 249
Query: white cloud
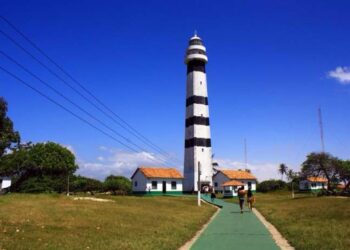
column 70, row 148
column 342, row 74
column 262, row 171
column 100, row 158
column 117, row 162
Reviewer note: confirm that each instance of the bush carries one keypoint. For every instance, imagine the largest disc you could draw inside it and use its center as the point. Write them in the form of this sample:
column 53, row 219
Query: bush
column 117, row 184
column 84, row 184
column 271, row 185
column 42, row 184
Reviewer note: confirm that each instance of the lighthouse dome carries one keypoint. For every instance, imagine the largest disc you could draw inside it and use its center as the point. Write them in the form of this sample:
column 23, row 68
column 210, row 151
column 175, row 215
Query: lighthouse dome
column 196, row 50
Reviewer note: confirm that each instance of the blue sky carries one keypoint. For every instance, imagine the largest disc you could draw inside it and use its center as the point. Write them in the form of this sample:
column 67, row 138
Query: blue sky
column 268, row 72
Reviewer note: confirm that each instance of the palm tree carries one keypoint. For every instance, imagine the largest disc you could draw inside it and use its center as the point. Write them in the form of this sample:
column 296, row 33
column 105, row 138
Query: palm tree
column 283, row 169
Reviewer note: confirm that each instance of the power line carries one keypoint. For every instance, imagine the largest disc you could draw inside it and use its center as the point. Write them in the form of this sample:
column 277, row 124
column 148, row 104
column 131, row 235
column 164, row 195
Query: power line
column 125, row 124
column 68, row 110
column 71, row 102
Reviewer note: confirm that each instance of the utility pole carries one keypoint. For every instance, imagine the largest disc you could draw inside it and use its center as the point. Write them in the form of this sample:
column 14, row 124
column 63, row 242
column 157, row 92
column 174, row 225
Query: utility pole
column 321, row 128
column 199, row 183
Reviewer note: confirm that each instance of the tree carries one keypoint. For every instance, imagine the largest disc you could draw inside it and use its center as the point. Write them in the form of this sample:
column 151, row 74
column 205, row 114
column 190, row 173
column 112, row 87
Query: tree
column 8, row 136
column 84, row 184
column 117, row 184
column 344, row 172
column 293, row 177
column 283, row 169
column 271, row 185
column 39, row 161
column 321, row 164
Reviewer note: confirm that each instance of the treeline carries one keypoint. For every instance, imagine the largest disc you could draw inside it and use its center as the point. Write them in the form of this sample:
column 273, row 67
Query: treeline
column 112, row 184
column 46, row 167
column 335, row 170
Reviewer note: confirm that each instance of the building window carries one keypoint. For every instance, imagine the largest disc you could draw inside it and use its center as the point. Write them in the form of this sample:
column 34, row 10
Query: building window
column 154, row 185
column 249, row 184
column 135, row 183
column 215, row 184
column 173, row 185
column 313, row 185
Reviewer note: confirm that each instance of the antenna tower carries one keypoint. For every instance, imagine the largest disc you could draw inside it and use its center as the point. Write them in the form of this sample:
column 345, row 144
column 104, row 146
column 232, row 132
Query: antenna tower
column 321, row 128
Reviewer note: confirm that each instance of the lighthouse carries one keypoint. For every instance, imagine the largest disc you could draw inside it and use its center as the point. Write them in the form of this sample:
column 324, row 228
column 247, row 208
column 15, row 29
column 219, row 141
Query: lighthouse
column 198, row 152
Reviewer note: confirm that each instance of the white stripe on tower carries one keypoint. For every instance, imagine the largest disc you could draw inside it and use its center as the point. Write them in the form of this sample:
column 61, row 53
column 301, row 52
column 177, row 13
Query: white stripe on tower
column 197, row 135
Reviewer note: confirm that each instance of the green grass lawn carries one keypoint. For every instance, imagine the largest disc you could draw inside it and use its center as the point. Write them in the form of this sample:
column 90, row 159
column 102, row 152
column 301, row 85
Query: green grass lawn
column 58, row 222
column 308, row 222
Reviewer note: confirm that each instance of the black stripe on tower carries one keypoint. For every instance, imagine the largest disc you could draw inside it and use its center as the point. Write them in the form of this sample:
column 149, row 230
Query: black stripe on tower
column 196, row 99
column 197, row 142
column 198, row 120
column 196, row 65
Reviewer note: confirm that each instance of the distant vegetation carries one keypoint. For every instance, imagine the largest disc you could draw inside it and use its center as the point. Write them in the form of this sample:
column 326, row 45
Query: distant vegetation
column 271, row 185
column 46, row 167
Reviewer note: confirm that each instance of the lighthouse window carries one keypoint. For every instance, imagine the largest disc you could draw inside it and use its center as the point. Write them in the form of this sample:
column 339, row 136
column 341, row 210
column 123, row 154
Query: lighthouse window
column 201, row 82
column 202, row 149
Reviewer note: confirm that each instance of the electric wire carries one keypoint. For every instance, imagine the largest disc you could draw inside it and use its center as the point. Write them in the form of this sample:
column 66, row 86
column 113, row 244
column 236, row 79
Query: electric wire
column 72, row 102
column 69, row 111
column 127, row 126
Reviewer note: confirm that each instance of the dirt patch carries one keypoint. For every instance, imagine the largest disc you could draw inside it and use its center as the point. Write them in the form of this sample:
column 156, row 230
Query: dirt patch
column 92, row 199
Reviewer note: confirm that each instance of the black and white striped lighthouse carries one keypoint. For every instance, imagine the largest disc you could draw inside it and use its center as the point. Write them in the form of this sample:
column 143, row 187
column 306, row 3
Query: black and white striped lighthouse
column 197, row 136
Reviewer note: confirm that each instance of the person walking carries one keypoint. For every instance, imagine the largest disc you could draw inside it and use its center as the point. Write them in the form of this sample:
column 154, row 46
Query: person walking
column 250, row 199
column 241, row 194
column 212, row 196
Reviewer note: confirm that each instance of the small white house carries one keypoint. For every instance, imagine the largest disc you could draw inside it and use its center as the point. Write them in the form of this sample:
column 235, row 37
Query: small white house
column 227, row 181
column 153, row 180
column 230, row 188
column 5, row 183
column 313, row 184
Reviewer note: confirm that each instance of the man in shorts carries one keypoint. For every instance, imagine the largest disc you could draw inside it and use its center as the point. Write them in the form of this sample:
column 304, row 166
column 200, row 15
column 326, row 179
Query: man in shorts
column 241, row 195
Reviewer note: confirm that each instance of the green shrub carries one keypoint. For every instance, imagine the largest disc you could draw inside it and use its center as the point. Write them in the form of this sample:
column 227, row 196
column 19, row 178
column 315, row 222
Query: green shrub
column 271, row 185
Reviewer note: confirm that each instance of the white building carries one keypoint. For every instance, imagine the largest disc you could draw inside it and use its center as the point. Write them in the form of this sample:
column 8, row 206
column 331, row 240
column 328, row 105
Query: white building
column 5, row 183
column 230, row 188
column 227, row 180
column 197, row 133
column 313, row 184
column 153, row 180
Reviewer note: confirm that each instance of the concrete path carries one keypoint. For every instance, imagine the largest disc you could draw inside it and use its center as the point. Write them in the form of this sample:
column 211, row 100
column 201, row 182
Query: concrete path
column 232, row 230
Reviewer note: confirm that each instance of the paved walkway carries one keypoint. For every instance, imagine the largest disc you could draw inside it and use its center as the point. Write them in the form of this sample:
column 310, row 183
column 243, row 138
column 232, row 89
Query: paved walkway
column 232, row 230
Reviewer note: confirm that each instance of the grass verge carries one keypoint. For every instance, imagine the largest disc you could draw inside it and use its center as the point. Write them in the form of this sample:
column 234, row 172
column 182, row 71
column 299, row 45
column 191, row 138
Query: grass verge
column 308, row 222
column 58, row 222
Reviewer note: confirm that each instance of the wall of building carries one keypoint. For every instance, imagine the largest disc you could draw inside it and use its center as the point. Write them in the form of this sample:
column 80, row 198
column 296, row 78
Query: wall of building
column 5, row 182
column 219, row 179
column 144, row 185
column 306, row 185
column 141, row 182
column 197, row 86
column 253, row 184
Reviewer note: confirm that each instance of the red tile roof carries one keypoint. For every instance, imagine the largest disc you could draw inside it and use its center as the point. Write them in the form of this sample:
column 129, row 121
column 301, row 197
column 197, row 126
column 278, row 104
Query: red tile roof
column 155, row 172
column 238, row 174
column 232, row 183
column 316, row 179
